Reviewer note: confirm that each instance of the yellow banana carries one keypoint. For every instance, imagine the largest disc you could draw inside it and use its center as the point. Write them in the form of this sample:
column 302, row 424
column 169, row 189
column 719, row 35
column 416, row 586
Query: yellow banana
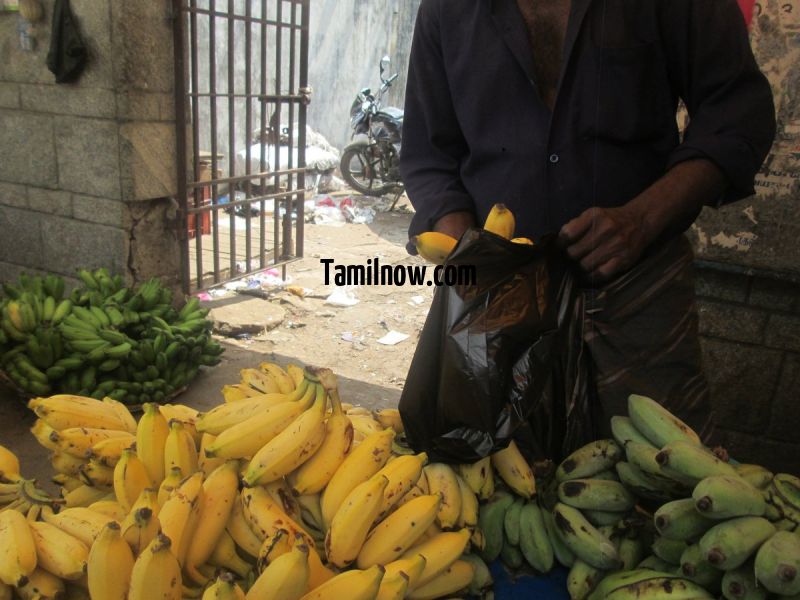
column 64, row 411
column 265, row 515
column 220, row 491
column 151, row 438
column 169, row 484
column 66, row 464
column 224, row 588
column 365, row 424
column 285, row 578
column 179, row 449
column 420, row 488
column 442, row 480
column 108, row 452
column 225, row 556
column 413, row 567
column 140, row 528
column 85, row 495
column 6, row 592
column 475, row 474
column 469, row 505
column 390, row 417
column 282, row 379
column 58, row 552
column 291, row 447
column 186, row 415
column 156, row 573
column 42, row 585
column 17, row 548
column 180, row 513
column 110, row 565
column 109, row 508
column 314, row 475
column 97, row 475
column 393, row 587
column 353, row 520
column 9, row 464
column 454, row 578
column 523, row 240
column 42, row 432
column 123, row 414
column 399, row 531
column 78, row 441
column 296, row 373
column 263, row 382
column 440, row 552
column 239, row 391
column 500, row 221
column 434, row 247
column 246, row 438
column 130, row 478
column 282, row 494
column 311, row 511
column 515, row 470
column 239, row 529
column 402, row 472
column 80, row 522
column 276, row 544
column 353, row 585
column 205, row 463
column 361, row 464
column 67, row 482
column 224, row 416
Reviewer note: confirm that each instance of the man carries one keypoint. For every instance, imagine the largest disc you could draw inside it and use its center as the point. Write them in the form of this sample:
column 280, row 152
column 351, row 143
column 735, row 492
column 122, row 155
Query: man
column 565, row 112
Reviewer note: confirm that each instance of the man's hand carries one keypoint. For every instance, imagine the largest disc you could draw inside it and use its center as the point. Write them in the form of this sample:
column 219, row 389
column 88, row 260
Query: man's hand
column 606, row 241
column 455, row 224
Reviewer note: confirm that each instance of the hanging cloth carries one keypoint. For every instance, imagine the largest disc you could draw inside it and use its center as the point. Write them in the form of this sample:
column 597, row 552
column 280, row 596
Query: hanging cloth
column 68, row 54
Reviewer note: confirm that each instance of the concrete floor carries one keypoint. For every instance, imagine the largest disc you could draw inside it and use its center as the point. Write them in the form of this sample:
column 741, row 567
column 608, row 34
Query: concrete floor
column 203, row 393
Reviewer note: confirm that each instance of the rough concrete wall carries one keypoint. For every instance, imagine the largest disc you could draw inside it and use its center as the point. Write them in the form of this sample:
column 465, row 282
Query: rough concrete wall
column 83, row 164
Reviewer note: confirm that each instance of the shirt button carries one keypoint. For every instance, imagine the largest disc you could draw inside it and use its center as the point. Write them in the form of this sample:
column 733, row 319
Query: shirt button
column 554, row 158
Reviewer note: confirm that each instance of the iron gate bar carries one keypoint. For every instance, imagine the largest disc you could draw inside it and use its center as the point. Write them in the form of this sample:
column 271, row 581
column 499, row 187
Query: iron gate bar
column 197, row 193
column 278, row 72
column 244, row 18
column 248, row 129
column 281, row 173
column 179, row 48
column 212, row 76
column 262, row 158
column 231, row 130
column 287, row 195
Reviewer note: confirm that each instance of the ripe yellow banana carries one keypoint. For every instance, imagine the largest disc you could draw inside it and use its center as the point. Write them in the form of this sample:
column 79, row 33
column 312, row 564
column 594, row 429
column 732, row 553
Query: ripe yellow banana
column 109, row 508
column 515, row 470
column 97, row 475
column 42, row 432
column 393, row 536
column 220, row 491
column 420, row 488
column 17, row 548
column 85, row 495
column 440, row 552
column 362, row 463
column 179, row 449
column 276, row 544
column 285, row 382
column 186, row 415
column 169, row 484
column 523, row 240
column 311, row 511
column 78, row 441
column 314, row 475
column 9, row 464
column 263, row 382
column 66, row 464
column 353, row 585
column 108, row 452
column 469, row 505
column 239, row 529
column 110, row 565
column 393, row 587
column 224, row 588
column 80, row 522
column 291, row 447
column 65, row 411
column 390, row 417
column 58, row 552
column 413, row 567
column 205, row 463
column 434, row 247
column 442, row 480
column 265, row 516
column 123, row 414
column 130, row 478
column 179, row 515
column 156, row 573
column 402, row 472
column 282, row 494
column 224, row 416
column 151, row 438
column 353, row 520
column 139, row 528
column 285, row 578
column 454, row 578
column 500, row 221
column 42, row 585
column 365, row 424
column 238, row 391
column 225, row 556
column 246, row 438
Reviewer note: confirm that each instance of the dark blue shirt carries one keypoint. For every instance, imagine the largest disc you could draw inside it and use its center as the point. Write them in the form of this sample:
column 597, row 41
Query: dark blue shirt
column 476, row 131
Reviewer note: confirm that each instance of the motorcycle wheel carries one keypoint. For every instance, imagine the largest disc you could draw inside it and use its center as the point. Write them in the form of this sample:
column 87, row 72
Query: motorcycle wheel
column 361, row 171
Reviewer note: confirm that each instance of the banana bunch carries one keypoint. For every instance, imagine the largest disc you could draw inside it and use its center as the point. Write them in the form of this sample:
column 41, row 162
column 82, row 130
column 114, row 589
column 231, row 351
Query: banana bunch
column 436, row 247
column 103, row 340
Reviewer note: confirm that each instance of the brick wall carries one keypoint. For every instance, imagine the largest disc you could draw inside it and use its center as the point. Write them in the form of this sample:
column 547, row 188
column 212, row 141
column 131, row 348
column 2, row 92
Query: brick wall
column 84, row 164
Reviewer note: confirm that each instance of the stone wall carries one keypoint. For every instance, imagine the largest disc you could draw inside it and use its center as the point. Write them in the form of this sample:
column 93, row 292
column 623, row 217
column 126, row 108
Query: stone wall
column 87, row 169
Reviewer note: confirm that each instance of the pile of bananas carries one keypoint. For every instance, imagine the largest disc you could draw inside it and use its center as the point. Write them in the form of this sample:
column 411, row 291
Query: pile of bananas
column 435, row 247
column 103, row 340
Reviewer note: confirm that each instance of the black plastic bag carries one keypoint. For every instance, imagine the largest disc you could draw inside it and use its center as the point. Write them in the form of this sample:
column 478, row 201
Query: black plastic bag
column 501, row 359
column 68, row 54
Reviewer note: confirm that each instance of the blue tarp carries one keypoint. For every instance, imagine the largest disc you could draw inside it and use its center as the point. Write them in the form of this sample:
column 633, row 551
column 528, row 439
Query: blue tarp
column 551, row 586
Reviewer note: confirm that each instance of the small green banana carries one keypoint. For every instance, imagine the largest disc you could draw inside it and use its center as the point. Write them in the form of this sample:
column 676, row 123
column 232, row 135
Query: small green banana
column 732, row 542
column 724, row 497
column 596, row 494
column 583, row 539
column 491, row 520
column 533, row 539
column 657, row 424
column 590, row 459
column 777, row 564
column 680, row 520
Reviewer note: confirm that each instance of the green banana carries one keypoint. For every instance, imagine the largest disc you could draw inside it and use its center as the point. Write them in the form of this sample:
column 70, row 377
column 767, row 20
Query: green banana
column 582, row 579
column 118, row 352
column 663, row 588
column 191, row 305
column 679, row 520
column 491, row 520
column 696, row 568
column 596, row 494
column 583, row 539
column 560, row 551
column 48, row 309
column 533, row 539
column 740, row 584
column 643, row 457
column 653, row 563
column 624, row 431
column 669, row 550
column 112, row 337
column 644, row 485
column 482, row 579
column 732, row 542
column 756, row 475
column 590, row 459
column 656, row 423
column 601, row 518
column 88, row 279
column 788, row 486
column 87, row 316
column 682, row 459
column 511, row 556
column 724, row 497
column 631, row 552
column 63, row 309
column 620, row 579
column 777, row 564
column 511, row 521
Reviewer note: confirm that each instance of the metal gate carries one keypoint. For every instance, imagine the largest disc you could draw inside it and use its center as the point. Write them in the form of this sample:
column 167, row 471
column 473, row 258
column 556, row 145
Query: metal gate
column 241, row 91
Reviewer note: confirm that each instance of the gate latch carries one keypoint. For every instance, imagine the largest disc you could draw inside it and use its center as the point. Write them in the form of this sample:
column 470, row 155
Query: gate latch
column 305, row 95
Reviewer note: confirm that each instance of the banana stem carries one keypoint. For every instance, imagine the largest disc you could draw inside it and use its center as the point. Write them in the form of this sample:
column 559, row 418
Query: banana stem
column 331, row 385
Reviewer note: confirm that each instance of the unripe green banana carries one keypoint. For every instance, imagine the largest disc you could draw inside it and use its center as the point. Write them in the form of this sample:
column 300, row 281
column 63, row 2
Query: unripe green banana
column 583, row 539
column 596, row 494
column 643, row 484
column 669, row 550
column 624, row 431
column 732, row 542
column 657, row 424
column 491, row 520
column 601, row 518
column 756, row 475
column 511, row 556
column 562, row 554
column 590, row 459
column 724, row 497
column 740, row 584
column 533, row 539
column 663, row 588
column 511, row 521
column 582, row 579
column 696, row 568
column 682, row 459
column 643, row 457
column 788, row 486
column 653, row 563
column 680, row 520
column 621, row 579
column 482, row 580
column 777, row 564
column 631, row 552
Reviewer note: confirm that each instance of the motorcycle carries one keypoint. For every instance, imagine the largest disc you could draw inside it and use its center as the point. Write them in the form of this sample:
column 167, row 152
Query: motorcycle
column 371, row 163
